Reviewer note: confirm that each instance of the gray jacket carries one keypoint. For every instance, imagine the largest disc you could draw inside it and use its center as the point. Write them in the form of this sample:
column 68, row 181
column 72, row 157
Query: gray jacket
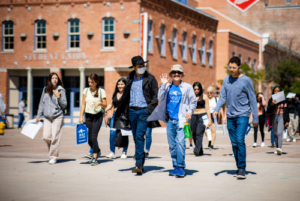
column 52, row 107
column 188, row 103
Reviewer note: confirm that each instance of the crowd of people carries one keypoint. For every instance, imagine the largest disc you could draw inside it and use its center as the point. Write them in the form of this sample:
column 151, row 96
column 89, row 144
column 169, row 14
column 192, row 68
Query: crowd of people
column 138, row 104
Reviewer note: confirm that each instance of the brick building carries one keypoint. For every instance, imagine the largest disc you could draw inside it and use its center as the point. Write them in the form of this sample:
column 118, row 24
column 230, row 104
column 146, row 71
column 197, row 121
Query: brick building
column 77, row 38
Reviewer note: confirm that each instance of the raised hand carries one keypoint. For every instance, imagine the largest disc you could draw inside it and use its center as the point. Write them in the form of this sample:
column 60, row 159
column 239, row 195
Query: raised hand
column 164, row 78
column 56, row 93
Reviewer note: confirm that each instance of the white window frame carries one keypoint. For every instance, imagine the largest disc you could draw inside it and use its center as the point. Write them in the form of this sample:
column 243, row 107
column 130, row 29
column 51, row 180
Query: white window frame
column 203, row 51
column 150, row 36
column 174, row 34
column 163, row 40
column 210, row 57
column 184, row 46
column 36, row 35
column 194, row 53
column 7, row 36
column 254, row 65
column 108, row 33
column 73, row 34
column 249, row 62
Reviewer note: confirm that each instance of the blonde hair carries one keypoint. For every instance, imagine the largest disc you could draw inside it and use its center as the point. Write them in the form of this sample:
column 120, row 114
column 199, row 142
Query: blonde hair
column 210, row 89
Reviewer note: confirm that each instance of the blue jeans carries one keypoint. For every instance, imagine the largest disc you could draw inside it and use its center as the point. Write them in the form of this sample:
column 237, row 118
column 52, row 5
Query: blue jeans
column 272, row 136
column 21, row 119
column 176, row 140
column 113, row 136
column 237, row 130
column 148, row 139
column 138, row 120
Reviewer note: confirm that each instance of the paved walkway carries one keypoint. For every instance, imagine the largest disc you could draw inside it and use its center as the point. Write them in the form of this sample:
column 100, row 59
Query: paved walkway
column 26, row 175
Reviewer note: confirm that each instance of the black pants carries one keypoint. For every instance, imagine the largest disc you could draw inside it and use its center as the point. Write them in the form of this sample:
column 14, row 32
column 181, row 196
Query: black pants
column 198, row 129
column 261, row 128
column 93, row 122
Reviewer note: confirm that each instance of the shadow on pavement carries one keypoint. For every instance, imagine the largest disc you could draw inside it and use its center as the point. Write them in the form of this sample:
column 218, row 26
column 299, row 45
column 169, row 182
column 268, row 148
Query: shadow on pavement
column 147, row 169
column 187, row 171
column 58, row 161
column 232, row 172
column 150, row 157
column 99, row 162
column 272, row 152
column 5, row 145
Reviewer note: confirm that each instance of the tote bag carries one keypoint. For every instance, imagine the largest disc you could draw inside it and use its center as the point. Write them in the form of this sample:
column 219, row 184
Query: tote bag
column 121, row 141
column 81, row 134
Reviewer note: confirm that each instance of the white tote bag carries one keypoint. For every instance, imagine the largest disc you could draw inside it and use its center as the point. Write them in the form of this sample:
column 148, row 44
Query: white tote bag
column 284, row 134
column 31, row 128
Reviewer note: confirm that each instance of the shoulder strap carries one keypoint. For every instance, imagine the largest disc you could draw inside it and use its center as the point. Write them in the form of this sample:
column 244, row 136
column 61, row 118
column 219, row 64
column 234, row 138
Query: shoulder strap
column 100, row 93
column 44, row 91
column 216, row 99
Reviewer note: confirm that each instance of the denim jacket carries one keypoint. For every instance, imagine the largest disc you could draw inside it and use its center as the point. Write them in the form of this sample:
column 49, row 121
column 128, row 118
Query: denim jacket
column 188, row 103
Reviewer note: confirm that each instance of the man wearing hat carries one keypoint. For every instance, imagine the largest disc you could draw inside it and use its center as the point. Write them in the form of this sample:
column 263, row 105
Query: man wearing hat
column 21, row 112
column 177, row 104
column 137, row 103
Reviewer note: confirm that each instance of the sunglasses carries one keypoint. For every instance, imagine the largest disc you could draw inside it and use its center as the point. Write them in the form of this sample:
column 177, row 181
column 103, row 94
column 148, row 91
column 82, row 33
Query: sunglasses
column 178, row 72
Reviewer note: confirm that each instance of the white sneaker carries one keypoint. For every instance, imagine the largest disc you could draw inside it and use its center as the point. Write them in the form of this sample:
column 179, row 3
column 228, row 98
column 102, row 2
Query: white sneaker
column 279, row 152
column 52, row 161
column 294, row 140
column 254, row 145
column 111, row 155
column 262, row 144
column 287, row 140
column 124, row 155
column 275, row 152
column 191, row 147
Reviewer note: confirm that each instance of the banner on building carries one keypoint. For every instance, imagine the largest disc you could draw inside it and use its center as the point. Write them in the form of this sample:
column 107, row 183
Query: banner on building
column 143, row 35
column 243, row 5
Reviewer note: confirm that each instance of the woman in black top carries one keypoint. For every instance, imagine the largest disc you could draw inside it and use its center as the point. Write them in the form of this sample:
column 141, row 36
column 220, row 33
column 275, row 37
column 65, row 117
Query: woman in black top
column 120, row 86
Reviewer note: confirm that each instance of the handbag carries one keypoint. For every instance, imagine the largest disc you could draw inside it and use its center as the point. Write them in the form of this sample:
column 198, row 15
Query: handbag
column 81, row 134
column 121, row 141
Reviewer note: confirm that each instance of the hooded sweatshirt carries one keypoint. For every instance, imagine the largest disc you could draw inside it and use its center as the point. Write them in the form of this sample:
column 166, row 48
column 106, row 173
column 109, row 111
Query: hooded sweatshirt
column 52, row 107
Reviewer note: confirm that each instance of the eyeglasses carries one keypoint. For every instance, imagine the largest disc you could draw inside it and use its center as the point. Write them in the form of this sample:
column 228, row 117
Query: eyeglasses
column 233, row 68
column 176, row 72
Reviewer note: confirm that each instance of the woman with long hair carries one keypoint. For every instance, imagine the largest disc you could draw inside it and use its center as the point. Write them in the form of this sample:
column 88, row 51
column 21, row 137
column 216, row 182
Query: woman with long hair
column 261, row 104
column 52, row 105
column 93, row 104
column 116, row 98
column 279, row 119
column 197, row 122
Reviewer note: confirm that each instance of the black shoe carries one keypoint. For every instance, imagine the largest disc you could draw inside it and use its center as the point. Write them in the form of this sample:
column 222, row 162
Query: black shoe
column 209, row 144
column 94, row 162
column 241, row 174
column 138, row 169
column 235, row 174
column 196, row 153
column 272, row 146
column 146, row 155
column 212, row 147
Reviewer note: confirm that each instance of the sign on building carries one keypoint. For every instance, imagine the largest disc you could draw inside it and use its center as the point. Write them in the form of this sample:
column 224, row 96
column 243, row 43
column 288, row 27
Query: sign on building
column 143, row 35
column 242, row 5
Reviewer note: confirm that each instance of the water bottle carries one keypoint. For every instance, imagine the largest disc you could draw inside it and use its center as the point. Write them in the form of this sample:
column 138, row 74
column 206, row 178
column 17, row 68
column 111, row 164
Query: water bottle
column 187, row 130
column 248, row 129
column 208, row 133
column 224, row 129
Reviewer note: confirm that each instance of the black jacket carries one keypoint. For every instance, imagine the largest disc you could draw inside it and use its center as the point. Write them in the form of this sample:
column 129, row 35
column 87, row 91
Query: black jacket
column 150, row 90
column 271, row 113
column 296, row 103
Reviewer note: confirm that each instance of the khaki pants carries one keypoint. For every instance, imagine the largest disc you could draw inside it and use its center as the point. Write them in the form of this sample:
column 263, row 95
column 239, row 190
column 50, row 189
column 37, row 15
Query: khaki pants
column 293, row 126
column 51, row 135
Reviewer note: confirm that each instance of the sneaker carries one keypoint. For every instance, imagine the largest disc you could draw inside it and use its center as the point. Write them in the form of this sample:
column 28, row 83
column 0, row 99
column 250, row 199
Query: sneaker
column 52, row 161
column 146, row 155
column 262, row 144
column 279, row 152
column 196, row 153
column 191, row 146
column 235, row 174
column 89, row 156
column 294, row 140
column 272, row 146
column 180, row 172
column 94, row 162
column 241, row 174
column 275, row 152
column 287, row 140
column 174, row 172
column 111, row 155
column 254, row 145
column 124, row 155
column 138, row 169
column 211, row 147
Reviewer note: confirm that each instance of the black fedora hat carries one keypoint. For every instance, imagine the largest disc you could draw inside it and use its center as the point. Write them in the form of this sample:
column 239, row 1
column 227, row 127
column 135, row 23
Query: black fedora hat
column 137, row 60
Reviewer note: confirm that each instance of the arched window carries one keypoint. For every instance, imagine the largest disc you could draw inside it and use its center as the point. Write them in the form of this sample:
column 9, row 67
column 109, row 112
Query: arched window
column 162, row 40
column 108, row 33
column 73, row 34
column 210, row 53
column 203, row 52
column 7, row 36
column 40, row 35
column 184, row 47
column 174, row 43
column 150, row 36
column 194, row 49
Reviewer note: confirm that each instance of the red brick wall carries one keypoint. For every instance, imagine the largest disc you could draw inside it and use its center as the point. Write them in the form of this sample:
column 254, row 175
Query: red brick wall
column 4, row 87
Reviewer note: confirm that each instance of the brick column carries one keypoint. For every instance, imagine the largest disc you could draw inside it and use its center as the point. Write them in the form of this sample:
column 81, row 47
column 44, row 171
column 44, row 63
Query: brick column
column 4, row 86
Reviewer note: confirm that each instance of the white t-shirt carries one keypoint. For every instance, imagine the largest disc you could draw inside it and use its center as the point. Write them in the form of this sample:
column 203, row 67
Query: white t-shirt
column 21, row 105
column 90, row 99
column 213, row 104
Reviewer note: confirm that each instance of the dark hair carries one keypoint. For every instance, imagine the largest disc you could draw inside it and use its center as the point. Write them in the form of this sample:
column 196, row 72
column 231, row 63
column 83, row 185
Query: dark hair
column 275, row 88
column 49, row 87
column 297, row 96
column 260, row 102
column 198, row 84
column 96, row 79
column 235, row 60
column 116, row 89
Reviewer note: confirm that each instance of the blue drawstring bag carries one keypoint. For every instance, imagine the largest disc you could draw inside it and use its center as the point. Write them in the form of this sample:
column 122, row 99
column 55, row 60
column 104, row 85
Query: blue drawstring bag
column 81, row 134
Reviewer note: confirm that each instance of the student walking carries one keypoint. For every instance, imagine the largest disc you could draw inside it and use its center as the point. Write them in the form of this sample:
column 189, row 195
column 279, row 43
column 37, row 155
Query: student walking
column 21, row 113
column 52, row 105
column 93, row 104
column 119, row 90
column 279, row 119
column 238, row 93
column 137, row 103
column 293, row 110
column 177, row 104
column 261, row 104
column 197, row 122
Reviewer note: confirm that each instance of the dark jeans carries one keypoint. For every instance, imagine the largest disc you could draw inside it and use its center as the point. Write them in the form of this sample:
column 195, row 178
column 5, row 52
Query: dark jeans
column 138, row 120
column 113, row 136
column 198, row 129
column 237, row 130
column 21, row 119
column 261, row 128
column 93, row 122
column 148, row 139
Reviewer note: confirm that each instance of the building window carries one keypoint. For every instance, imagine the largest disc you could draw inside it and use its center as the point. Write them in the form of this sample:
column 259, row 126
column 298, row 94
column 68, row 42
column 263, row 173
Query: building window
column 184, row 47
column 210, row 56
column 7, row 36
column 240, row 56
column 162, row 40
column 288, row 1
column 108, row 33
column 40, row 35
column 233, row 53
column 249, row 62
column 174, row 43
column 150, row 36
column 194, row 49
column 254, row 64
column 74, row 34
column 203, row 51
